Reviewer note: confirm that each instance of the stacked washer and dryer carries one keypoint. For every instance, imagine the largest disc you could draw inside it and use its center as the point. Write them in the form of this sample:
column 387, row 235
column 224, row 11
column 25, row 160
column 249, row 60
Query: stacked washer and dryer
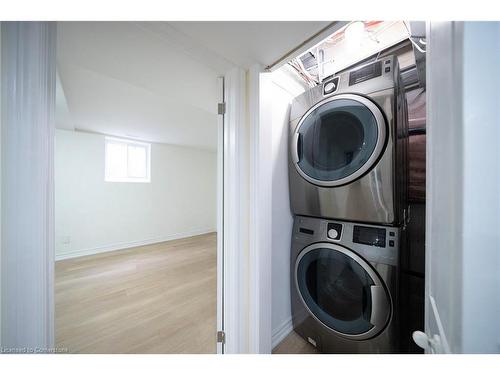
column 348, row 190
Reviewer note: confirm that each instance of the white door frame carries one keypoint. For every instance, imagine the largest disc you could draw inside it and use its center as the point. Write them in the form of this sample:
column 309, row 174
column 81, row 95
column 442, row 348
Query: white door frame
column 235, row 288
column 260, row 298
column 247, row 219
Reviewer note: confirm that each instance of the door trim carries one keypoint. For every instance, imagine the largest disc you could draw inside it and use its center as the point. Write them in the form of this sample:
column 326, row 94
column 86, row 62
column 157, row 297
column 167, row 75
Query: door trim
column 376, row 329
column 236, row 214
column 220, row 216
column 379, row 146
column 260, row 209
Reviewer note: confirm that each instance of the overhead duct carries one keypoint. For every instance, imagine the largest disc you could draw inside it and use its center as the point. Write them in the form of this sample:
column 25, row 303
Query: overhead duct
column 355, row 42
column 416, row 29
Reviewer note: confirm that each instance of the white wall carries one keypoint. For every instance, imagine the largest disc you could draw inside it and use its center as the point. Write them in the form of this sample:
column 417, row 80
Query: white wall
column 283, row 90
column 95, row 216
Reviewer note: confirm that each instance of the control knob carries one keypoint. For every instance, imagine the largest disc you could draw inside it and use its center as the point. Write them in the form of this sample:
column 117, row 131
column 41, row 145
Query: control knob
column 332, row 233
column 329, row 87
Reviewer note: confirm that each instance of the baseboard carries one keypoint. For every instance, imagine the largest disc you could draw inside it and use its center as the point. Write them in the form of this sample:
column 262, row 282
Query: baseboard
column 128, row 245
column 281, row 332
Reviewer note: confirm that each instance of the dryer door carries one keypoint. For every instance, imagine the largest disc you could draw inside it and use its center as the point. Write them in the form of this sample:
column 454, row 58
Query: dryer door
column 342, row 291
column 338, row 140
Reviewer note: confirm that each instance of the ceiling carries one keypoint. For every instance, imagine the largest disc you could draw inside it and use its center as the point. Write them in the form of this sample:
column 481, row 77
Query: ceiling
column 248, row 43
column 157, row 81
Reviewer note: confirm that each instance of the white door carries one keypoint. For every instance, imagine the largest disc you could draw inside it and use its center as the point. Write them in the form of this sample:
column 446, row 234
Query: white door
column 463, row 180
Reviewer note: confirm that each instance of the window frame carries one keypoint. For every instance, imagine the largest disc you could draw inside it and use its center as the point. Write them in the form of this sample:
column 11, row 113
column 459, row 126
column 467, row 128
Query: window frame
column 127, row 142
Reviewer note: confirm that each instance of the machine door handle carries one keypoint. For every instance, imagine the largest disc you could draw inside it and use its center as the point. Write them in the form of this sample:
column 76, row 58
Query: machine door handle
column 296, row 147
column 380, row 306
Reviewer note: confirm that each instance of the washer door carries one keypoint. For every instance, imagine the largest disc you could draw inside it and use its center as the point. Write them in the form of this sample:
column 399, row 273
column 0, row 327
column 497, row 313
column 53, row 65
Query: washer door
column 342, row 291
column 338, row 140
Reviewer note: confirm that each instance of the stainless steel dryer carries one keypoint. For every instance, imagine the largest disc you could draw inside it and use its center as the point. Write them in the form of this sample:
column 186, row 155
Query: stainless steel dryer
column 348, row 144
column 344, row 285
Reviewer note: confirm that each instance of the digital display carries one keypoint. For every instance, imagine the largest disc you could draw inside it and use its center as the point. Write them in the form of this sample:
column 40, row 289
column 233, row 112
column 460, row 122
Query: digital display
column 369, row 236
column 365, row 73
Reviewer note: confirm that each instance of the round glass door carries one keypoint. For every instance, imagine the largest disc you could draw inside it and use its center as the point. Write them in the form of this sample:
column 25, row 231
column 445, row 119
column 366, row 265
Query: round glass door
column 338, row 140
column 342, row 291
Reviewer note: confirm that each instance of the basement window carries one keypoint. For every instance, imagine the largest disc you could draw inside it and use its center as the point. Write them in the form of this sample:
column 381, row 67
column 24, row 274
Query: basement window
column 127, row 161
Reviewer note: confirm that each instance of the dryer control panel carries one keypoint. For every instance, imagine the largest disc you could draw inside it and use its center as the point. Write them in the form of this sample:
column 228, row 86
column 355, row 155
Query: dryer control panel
column 331, row 85
column 365, row 73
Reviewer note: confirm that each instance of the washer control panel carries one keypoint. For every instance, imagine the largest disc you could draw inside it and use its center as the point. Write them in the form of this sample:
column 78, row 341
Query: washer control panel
column 334, row 231
column 372, row 236
column 375, row 243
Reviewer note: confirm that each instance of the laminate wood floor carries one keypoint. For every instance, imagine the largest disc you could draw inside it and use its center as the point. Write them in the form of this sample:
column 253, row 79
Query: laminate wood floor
column 159, row 298
column 294, row 344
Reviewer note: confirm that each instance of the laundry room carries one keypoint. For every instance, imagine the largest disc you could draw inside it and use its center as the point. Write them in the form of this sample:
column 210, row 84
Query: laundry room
column 348, row 191
column 258, row 187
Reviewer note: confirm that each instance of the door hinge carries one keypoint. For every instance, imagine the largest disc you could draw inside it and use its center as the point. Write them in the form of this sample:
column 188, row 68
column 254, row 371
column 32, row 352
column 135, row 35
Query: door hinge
column 221, row 108
column 221, row 337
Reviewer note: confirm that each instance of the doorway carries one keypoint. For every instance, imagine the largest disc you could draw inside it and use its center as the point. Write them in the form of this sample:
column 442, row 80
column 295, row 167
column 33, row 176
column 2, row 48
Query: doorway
column 137, row 175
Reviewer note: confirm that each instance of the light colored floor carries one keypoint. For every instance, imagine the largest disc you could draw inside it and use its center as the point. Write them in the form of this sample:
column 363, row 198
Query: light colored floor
column 159, row 298
column 294, row 344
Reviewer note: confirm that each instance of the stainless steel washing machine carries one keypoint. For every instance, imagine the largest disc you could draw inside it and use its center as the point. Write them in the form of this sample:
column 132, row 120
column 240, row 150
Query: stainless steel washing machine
column 344, row 285
column 348, row 143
